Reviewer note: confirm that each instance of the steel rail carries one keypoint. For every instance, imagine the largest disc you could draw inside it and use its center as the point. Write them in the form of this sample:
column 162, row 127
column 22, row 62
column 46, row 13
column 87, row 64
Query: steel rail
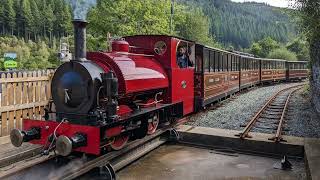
column 23, row 165
column 20, row 156
column 278, row 135
column 119, row 159
column 245, row 133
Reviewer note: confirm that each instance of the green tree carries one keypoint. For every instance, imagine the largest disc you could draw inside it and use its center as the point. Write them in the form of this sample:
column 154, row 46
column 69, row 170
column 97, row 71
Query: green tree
column 300, row 47
column 27, row 18
column 2, row 20
column 195, row 27
column 49, row 20
column 18, row 19
column 66, row 20
column 264, row 47
column 10, row 15
column 256, row 49
column 129, row 17
column 62, row 21
column 282, row 53
column 309, row 15
column 36, row 20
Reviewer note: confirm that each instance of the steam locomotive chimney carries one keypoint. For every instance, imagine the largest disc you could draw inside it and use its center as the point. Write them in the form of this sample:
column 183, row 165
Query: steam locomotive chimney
column 80, row 42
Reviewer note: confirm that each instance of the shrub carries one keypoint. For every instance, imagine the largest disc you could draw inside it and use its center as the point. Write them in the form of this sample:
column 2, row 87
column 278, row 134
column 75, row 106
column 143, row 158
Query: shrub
column 282, row 54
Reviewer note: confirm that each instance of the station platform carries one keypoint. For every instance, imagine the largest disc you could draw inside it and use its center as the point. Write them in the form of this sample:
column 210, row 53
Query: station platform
column 312, row 158
column 209, row 153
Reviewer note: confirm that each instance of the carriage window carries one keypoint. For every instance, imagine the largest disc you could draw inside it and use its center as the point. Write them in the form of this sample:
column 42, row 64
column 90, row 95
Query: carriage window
column 225, row 62
column 253, row 64
column 229, row 62
column 206, row 60
column 266, row 66
column 185, row 54
column 242, row 64
column 212, row 61
column 238, row 63
column 269, row 65
column 247, row 64
column 233, row 62
column 220, row 62
column 216, row 61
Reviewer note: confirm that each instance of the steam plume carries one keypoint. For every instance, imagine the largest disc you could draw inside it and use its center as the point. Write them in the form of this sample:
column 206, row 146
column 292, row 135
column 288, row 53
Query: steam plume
column 81, row 7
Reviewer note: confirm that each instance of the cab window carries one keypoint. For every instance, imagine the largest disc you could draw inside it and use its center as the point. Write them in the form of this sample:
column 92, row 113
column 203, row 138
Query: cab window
column 185, row 54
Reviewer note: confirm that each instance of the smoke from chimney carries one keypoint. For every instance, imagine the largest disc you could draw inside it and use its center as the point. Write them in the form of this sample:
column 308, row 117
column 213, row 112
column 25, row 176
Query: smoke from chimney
column 80, row 8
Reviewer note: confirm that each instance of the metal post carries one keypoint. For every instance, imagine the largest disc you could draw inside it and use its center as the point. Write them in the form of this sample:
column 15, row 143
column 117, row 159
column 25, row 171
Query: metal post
column 171, row 18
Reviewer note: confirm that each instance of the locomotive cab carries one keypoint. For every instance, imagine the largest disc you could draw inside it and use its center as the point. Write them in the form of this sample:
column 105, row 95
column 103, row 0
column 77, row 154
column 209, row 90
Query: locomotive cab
column 165, row 50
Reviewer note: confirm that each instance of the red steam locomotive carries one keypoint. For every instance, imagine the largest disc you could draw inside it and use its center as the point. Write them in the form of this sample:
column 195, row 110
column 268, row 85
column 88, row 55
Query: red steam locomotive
column 104, row 99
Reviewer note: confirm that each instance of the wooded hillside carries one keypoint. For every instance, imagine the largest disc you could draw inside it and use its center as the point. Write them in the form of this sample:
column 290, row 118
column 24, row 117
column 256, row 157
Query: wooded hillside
column 240, row 24
column 35, row 19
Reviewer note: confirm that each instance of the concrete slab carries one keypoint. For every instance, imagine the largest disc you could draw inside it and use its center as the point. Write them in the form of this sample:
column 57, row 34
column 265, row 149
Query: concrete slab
column 226, row 138
column 312, row 158
column 176, row 162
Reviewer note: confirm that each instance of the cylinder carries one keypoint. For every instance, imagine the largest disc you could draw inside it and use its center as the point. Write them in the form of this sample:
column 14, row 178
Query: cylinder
column 80, row 40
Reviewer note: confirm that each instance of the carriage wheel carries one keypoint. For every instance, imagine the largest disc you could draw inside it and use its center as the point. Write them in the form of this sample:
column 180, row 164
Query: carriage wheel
column 153, row 123
column 119, row 142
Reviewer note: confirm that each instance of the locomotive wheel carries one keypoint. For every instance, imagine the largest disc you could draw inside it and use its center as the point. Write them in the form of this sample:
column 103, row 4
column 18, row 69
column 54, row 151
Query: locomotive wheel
column 153, row 125
column 119, row 142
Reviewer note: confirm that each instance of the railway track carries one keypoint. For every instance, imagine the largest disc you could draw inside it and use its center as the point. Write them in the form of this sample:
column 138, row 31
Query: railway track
column 271, row 117
column 55, row 167
column 10, row 155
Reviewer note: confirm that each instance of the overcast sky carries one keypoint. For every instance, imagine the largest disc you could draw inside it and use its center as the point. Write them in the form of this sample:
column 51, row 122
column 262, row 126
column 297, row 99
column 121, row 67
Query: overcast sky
column 278, row 3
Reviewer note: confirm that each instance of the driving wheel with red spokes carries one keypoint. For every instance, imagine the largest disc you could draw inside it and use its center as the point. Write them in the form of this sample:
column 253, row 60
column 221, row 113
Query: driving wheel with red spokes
column 119, row 142
column 153, row 123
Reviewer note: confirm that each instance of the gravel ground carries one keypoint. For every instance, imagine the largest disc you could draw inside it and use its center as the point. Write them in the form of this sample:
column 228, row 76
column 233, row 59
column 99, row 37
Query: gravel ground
column 302, row 120
column 234, row 113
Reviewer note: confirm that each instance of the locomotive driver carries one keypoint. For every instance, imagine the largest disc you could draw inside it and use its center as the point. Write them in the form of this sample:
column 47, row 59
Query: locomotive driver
column 183, row 60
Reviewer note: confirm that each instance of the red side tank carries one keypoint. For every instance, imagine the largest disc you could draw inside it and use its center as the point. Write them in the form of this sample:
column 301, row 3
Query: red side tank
column 135, row 72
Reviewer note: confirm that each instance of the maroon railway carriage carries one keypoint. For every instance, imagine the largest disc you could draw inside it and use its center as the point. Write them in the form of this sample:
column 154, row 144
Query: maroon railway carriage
column 250, row 72
column 297, row 70
column 273, row 70
column 217, row 75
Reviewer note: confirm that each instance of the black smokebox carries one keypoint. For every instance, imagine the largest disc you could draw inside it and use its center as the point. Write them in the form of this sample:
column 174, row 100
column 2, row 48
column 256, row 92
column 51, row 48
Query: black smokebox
column 80, row 39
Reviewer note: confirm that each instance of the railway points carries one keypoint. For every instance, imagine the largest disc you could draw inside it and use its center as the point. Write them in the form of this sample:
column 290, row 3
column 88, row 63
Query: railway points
column 272, row 113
